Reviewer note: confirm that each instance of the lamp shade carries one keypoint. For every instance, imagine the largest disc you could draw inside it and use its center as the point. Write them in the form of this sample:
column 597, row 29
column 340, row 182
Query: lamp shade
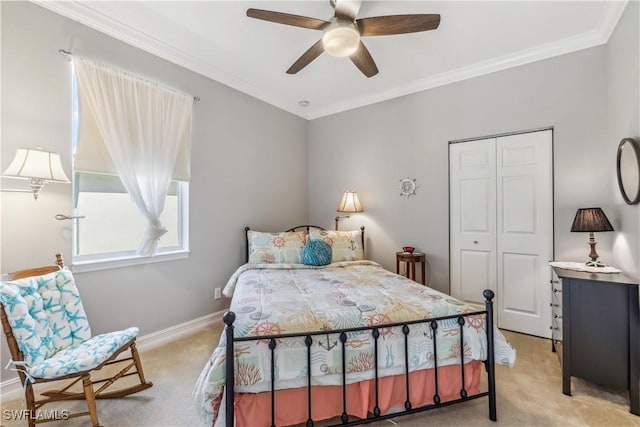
column 36, row 164
column 350, row 203
column 590, row 220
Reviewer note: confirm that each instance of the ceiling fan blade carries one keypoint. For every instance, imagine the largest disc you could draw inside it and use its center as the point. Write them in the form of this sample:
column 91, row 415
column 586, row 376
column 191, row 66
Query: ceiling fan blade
column 397, row 24
column 287, row 19
column 346, row 9
column 363, row 60
column 312, row 53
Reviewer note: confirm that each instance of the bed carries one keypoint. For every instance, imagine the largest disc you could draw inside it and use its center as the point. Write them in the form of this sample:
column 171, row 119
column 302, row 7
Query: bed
column 345, row 341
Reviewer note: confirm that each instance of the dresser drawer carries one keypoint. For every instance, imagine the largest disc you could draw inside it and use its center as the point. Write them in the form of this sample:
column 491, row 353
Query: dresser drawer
column 556, row 308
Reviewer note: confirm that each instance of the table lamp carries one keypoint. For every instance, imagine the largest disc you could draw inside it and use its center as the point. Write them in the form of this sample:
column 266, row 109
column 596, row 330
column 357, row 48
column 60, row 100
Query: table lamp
column 591, row 220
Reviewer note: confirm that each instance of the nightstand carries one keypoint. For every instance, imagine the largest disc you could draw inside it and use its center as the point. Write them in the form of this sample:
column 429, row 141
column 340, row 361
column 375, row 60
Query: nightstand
column 410, row 259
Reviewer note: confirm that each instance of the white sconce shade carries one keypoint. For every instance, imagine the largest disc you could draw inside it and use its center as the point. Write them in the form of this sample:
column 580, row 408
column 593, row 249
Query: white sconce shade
column 38, row 167
column 349, row 204
column 29, row 163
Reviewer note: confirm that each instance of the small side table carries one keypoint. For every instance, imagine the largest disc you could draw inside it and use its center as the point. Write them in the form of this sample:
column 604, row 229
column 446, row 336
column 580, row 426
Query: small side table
column 411, row 259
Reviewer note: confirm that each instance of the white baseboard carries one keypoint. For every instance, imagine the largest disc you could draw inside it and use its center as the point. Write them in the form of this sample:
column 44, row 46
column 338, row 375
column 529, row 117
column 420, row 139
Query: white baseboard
column 172, row 333
column 12, row 389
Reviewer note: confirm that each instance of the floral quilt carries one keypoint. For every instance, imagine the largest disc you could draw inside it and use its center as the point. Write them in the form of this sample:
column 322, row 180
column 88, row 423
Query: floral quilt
column 271, row 299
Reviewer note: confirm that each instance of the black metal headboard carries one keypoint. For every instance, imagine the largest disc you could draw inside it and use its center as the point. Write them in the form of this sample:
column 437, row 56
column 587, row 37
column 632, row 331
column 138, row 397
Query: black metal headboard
column 305, row 227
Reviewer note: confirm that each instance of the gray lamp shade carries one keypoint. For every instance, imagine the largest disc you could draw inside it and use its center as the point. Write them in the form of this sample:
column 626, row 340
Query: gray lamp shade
column 590, row 220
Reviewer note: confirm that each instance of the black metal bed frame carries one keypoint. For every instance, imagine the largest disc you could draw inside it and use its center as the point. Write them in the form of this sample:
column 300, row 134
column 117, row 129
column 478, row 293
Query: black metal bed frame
column 229, row 318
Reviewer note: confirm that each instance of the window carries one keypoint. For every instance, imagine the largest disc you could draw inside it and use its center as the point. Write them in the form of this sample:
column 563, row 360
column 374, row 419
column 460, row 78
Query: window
column 111, row 226
column 117, row 202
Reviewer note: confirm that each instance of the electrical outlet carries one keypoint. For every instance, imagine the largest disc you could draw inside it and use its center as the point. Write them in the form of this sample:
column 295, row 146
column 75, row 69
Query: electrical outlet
column 218, row 293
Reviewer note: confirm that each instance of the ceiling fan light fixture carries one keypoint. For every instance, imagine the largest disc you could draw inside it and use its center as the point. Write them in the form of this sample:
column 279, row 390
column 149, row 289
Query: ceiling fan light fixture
column 341, row 40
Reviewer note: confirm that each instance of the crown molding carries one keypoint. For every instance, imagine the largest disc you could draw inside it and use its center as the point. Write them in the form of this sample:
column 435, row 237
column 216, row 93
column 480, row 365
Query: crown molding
column 84, row 14
column 597, row 37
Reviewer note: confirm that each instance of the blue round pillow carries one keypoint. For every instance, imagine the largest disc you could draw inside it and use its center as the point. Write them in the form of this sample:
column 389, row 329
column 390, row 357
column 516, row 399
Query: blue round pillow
column 316, row 252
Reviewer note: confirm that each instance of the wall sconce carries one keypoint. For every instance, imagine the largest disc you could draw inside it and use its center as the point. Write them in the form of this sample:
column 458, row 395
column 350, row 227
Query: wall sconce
column 349, row 204
column 591, row 220
column 38, row 167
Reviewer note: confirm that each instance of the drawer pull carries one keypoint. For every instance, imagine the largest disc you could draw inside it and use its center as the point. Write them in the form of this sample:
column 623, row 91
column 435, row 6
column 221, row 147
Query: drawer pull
column 557, row 316
column 554, row 328
column 554, row 305
column 557, row 290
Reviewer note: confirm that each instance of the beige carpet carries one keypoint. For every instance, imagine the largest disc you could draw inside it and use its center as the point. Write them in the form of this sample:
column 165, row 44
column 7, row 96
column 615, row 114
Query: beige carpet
column 530, row 394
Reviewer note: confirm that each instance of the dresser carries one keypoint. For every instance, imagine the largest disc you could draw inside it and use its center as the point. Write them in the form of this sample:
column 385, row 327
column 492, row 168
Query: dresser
column 596, row 330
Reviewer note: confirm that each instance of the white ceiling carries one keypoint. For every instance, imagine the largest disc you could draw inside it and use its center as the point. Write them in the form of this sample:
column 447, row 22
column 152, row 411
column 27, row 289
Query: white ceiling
column 216, row 39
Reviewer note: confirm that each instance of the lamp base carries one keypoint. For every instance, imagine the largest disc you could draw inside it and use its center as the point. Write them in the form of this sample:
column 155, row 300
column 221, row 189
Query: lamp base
column 593, row 254
column 594, row 263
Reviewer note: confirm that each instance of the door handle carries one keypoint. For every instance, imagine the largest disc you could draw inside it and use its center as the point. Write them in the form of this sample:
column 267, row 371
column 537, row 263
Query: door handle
column 475, row 242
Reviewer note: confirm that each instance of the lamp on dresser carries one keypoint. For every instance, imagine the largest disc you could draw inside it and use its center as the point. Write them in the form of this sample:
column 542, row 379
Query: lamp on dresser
column 591, row 220
column 349, row 204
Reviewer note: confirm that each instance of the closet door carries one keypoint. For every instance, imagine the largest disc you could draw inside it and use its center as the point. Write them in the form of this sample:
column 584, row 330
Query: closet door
column 524, row 231
column 472, row 219
column 501, row 226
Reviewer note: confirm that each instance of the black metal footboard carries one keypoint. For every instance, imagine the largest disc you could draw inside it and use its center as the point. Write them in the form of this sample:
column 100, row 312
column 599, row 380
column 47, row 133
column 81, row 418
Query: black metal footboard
column 230, row 317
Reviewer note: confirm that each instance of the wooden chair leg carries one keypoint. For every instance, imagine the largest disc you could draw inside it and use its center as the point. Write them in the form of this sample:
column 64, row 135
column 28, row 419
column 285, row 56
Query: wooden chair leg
column 31, row 404
column 136, row 360
column 91, row 400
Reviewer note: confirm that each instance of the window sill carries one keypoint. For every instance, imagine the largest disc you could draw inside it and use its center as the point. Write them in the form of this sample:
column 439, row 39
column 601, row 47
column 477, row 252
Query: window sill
column 116, row 262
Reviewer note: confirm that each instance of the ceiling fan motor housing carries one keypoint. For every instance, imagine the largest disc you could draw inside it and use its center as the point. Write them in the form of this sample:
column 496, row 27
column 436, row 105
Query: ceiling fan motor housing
column 341, row 38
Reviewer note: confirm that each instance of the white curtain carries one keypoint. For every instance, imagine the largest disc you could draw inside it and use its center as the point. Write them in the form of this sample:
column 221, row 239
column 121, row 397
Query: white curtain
column 142, row 125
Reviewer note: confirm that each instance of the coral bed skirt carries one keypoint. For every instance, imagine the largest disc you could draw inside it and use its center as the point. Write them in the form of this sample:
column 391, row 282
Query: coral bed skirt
column 254, row 409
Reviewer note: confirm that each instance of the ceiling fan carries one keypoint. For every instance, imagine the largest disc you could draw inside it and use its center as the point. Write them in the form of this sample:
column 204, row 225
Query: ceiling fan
column 342, row 33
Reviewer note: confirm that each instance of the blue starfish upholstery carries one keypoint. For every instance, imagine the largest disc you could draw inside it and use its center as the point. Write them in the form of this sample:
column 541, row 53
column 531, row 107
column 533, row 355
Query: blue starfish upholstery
column 49, row 338
column 51, row 328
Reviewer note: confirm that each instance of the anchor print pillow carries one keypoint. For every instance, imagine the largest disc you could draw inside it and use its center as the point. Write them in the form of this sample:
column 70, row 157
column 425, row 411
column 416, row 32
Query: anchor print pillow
column 345, row 245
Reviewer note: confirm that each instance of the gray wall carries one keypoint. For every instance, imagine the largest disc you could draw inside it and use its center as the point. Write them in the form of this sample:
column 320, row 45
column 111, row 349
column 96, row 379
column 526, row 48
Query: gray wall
column 371, row 148
column 623, row 82
column 248, row 168
column 590, row 97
